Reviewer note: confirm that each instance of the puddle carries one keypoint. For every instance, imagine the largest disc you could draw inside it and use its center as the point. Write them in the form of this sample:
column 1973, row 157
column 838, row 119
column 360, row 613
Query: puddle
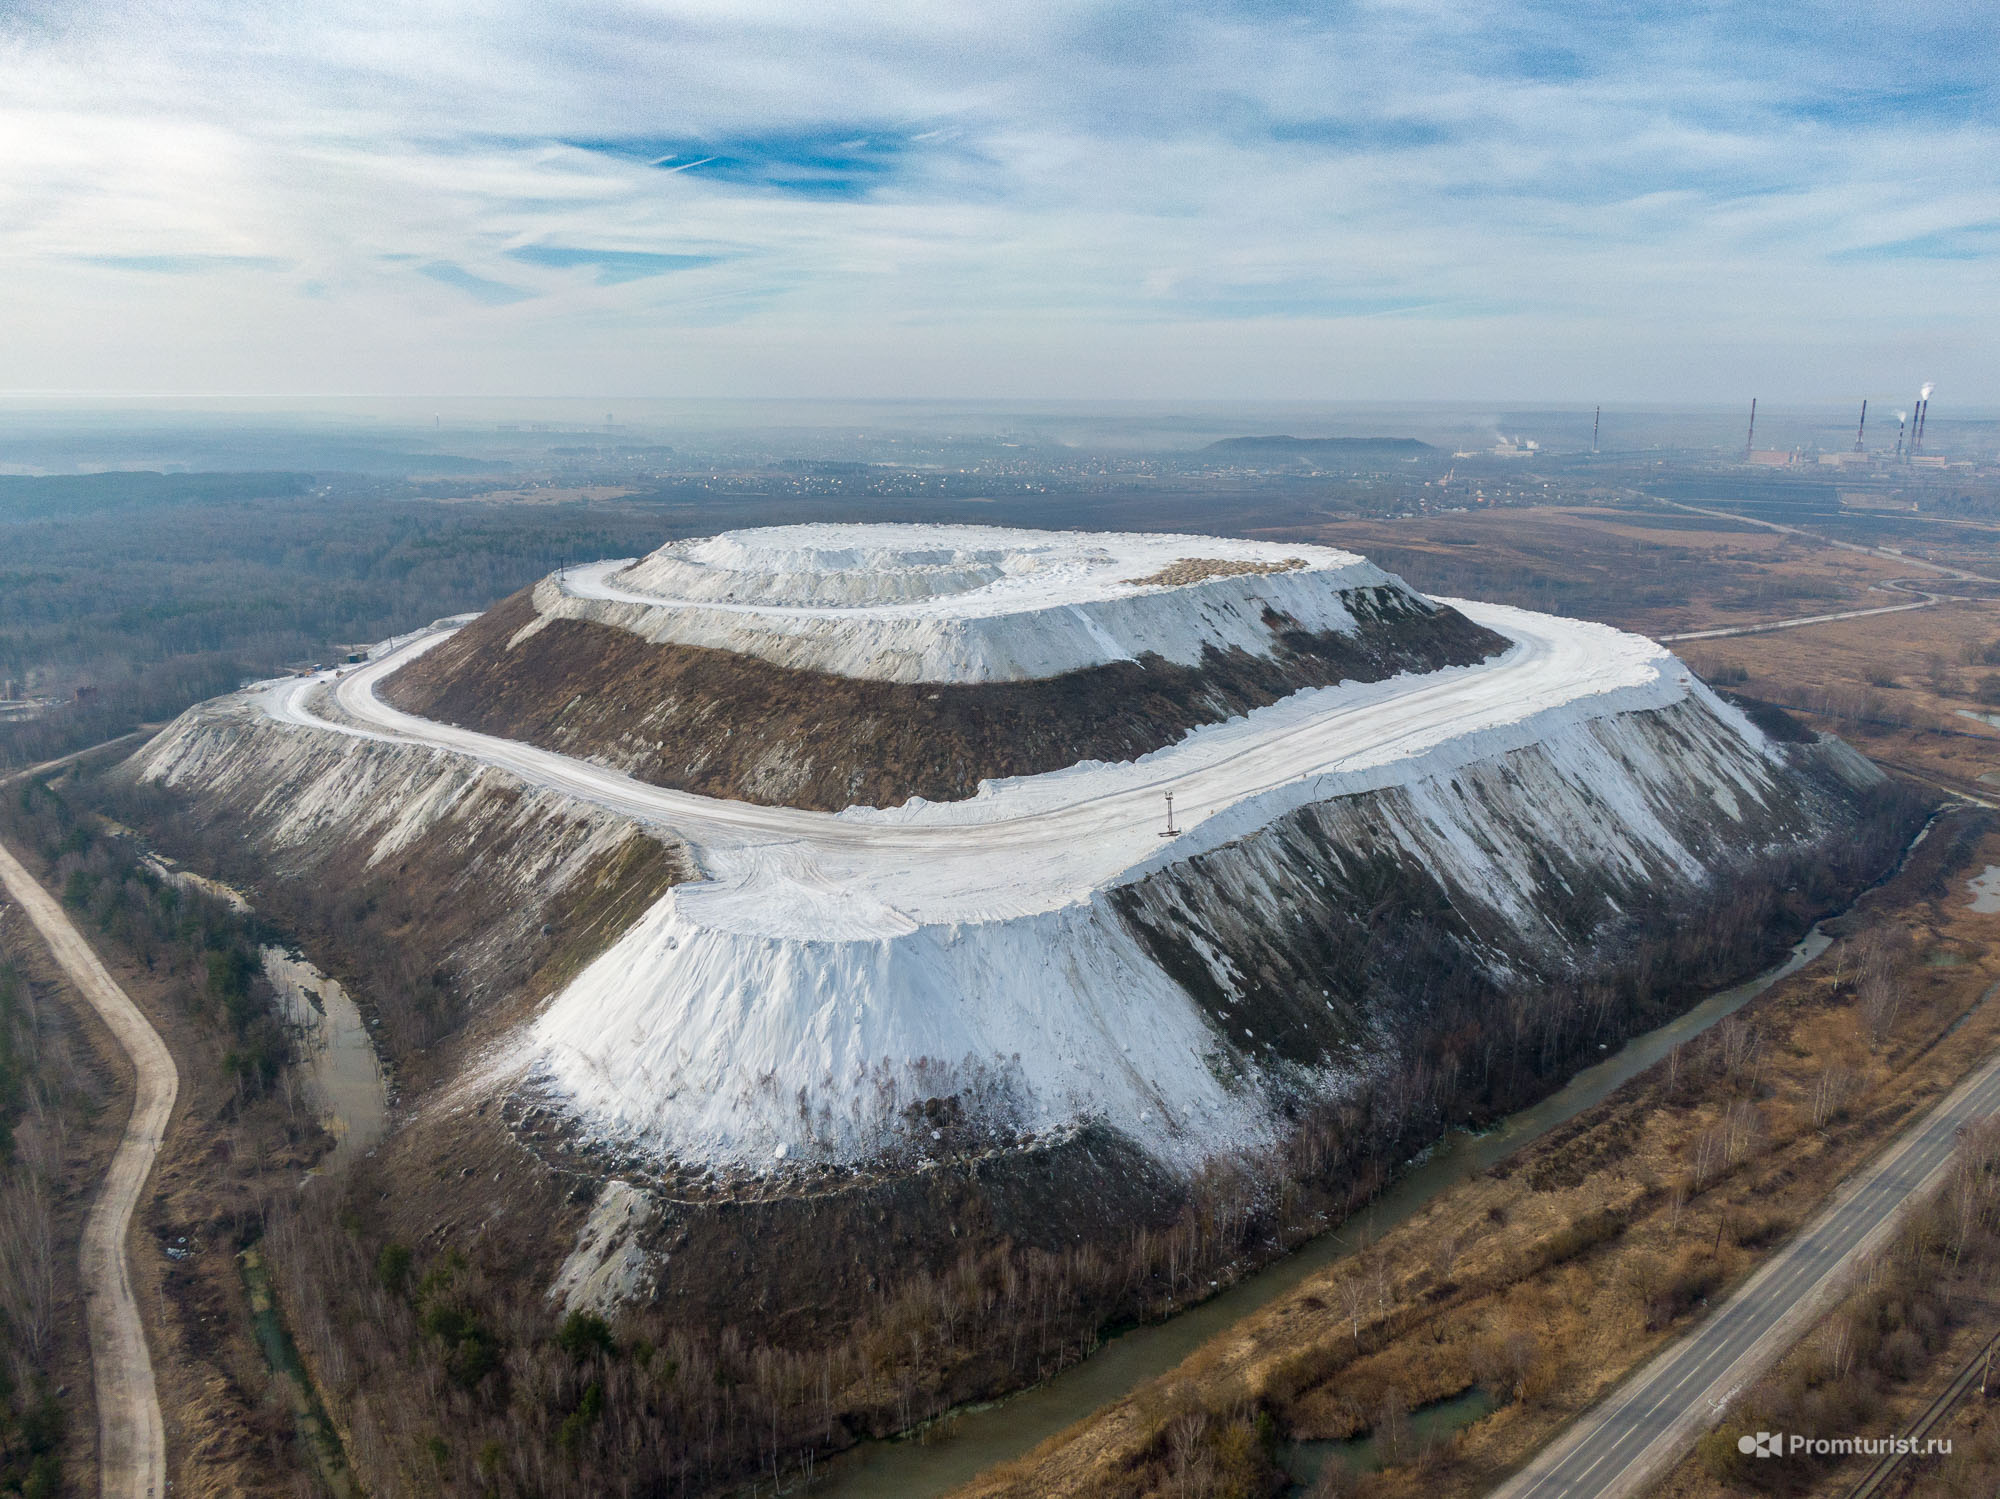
column 1985, row 888
column 1439, row 1421
column 1977, row 717
column 343, row 1075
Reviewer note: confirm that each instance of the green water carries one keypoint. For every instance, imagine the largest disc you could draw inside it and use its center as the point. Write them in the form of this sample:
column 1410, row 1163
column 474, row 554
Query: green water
column 970, row 1441
column 1437, row 1422
column 316, row 1434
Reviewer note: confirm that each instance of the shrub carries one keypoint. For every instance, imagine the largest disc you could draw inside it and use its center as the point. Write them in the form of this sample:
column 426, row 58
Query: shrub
column 392, row 1267
column 584, row 1333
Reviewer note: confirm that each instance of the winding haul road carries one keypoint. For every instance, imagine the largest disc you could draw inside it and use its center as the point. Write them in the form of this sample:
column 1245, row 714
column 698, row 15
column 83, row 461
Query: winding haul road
column 131, row 1438
column 1043, row 841
column 1642, row 1429
column 1027, row 843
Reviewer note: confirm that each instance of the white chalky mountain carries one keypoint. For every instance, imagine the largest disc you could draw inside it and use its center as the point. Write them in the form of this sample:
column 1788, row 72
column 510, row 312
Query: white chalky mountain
column 847, row 985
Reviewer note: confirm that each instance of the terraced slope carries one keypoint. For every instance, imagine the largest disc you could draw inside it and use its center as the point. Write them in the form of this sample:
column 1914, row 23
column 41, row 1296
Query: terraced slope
column 726, row 724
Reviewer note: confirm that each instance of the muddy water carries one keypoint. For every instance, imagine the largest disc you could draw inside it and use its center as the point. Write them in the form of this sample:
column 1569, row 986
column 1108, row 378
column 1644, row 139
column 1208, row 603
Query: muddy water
column 187, row 879
column 975, row 1439
column 1985, row 888
column 343, row 1075
column 1438, row 1421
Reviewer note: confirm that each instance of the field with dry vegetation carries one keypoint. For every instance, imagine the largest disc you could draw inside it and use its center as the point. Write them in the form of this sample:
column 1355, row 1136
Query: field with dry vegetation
column 1553, row 1274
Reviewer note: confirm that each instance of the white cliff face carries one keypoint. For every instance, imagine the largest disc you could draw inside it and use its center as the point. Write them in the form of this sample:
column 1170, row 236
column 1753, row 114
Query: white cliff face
column 706, row 1039
column 829, row 971
column 963, row 603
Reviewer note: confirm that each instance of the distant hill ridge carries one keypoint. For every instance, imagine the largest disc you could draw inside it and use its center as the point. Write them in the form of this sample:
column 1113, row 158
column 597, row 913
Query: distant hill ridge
column 25, row 497
column 1307, row 447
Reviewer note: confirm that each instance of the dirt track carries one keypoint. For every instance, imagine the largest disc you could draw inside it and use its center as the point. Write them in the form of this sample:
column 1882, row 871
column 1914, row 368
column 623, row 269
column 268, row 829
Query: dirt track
column 131, row 1439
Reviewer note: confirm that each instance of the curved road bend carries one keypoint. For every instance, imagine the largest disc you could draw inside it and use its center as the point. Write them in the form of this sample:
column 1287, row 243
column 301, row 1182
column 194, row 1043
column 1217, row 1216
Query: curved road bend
column 1642, row 1428
column 131, row 1438
column 1846, row 546
column 1041, row 840
column 1926, row 602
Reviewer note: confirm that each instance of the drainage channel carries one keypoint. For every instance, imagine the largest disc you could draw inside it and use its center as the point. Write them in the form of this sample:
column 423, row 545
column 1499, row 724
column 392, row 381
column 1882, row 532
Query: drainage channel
column 975, row 1439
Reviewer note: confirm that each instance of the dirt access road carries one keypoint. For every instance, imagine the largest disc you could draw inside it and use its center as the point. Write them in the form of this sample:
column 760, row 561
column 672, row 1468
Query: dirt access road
column 131, row 1438
column 1040, row 842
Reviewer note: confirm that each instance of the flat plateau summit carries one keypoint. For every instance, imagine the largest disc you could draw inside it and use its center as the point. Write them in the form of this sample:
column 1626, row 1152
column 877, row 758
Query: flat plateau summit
column 965, row 603
column 783, row 855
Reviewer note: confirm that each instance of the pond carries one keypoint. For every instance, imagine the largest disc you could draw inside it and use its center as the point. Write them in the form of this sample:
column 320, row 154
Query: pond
column 1439, row 1421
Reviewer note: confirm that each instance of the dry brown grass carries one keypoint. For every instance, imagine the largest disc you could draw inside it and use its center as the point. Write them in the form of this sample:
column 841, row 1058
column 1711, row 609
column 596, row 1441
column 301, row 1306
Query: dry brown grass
column 1893, row 684
column 1704, row 1162
column 1200, row 569
column 1611, row 565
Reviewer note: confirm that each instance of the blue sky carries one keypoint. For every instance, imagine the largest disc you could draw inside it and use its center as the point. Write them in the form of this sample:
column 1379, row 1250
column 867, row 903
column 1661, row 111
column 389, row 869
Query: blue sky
column 1401, row 200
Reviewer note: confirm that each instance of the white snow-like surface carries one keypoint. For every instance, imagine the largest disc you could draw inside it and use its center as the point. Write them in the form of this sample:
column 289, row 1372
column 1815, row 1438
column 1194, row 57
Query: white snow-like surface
column 831, row 968
column 958, row 603
column 607, row 1265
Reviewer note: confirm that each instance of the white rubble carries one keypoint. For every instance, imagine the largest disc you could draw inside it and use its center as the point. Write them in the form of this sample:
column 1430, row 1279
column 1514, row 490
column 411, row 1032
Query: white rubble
column 607, row 1265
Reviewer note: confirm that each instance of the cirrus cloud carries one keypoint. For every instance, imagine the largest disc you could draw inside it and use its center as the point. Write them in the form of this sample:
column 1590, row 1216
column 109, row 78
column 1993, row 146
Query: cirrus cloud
column 681, row 196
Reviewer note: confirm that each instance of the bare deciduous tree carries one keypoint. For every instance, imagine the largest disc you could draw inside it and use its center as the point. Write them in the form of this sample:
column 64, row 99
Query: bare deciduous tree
column 28, row 1260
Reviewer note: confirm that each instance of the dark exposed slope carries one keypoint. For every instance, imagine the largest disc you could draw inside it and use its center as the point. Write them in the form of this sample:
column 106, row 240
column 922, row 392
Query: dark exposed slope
column 730, row 725
column 444, row 894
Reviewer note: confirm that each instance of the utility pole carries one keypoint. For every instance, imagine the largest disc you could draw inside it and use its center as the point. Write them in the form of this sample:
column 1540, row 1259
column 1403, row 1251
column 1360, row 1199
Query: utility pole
column 1171, row 831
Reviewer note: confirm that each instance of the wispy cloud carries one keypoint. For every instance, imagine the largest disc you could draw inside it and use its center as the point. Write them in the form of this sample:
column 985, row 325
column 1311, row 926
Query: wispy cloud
column 492, row 293
column 183, row 265
column 968, row 197
column 1961, row 242
column 613, row 267
column 810, row 164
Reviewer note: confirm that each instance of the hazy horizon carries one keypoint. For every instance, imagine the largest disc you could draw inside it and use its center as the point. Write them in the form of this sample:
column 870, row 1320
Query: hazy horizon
column 472, row 434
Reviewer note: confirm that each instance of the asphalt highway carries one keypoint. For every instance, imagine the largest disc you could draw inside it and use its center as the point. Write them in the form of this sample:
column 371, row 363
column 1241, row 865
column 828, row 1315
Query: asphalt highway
column 1646, row 1424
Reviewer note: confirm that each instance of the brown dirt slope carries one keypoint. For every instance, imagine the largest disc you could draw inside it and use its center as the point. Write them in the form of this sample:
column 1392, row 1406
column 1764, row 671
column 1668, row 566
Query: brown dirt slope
column 729, row 725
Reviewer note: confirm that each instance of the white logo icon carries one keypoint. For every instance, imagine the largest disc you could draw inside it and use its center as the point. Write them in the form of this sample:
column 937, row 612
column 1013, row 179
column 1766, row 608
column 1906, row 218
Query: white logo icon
column 1763, row 1444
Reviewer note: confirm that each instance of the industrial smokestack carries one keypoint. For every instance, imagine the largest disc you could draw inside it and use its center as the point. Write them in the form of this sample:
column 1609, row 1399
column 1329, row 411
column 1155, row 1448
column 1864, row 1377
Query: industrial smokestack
column 1594, row 421
column 1861, row 432
column 1902, row 421
column 1923, row 411
column 1750, row 442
